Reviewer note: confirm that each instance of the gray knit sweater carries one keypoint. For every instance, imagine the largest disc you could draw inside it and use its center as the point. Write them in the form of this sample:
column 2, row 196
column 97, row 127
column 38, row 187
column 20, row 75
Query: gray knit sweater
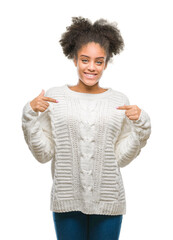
column 87, row 141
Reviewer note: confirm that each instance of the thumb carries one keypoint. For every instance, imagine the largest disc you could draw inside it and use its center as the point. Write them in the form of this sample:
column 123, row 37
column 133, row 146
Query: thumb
column 42, row 93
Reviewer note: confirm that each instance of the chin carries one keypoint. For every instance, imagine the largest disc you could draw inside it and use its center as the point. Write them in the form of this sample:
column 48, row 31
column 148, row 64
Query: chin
column 90, row 82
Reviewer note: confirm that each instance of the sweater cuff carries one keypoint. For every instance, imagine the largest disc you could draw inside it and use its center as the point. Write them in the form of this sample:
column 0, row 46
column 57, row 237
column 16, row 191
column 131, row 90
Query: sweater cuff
column 28, row 109
column 141, row 119
column 142, row 125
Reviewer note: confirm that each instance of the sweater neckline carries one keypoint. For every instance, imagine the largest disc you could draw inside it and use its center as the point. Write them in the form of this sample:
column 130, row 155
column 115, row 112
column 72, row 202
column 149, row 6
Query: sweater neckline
column 87, row 95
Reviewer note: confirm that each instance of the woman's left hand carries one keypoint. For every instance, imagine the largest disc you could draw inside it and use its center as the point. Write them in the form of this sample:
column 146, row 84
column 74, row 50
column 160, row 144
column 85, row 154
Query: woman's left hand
column 132, row 111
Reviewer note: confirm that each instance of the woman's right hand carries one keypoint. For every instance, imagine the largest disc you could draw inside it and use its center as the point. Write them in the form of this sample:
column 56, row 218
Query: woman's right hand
column 40, row 104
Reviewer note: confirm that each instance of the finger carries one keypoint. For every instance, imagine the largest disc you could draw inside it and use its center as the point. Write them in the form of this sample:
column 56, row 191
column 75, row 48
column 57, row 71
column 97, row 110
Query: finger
column 133, row 117
column 44, row 104
column 42, row 93
column 42, row 109
column 49, row 99
column 130, row 112
column 125, row 107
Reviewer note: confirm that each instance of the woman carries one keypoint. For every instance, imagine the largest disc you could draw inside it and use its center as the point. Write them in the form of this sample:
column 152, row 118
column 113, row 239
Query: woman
column 88, row 133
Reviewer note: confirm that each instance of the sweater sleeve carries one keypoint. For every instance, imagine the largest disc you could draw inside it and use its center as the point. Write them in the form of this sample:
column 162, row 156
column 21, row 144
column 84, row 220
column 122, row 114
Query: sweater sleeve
column 133, row 136
column 36, row 128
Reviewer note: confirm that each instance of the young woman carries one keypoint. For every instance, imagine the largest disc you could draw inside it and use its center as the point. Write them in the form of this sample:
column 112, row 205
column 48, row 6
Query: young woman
column 88, row 133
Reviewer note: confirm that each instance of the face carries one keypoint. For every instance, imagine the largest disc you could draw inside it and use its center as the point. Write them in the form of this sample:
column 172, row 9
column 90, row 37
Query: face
column 91, row 63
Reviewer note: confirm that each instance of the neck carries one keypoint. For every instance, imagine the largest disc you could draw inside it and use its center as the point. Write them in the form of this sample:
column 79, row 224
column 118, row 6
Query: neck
column 81, row 87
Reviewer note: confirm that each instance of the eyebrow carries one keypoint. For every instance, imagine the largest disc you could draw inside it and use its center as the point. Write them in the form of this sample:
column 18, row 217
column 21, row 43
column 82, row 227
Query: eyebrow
column 88, row 56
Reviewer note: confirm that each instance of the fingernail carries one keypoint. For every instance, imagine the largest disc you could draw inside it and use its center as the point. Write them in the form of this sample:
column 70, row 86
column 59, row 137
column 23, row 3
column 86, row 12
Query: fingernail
column 117, row 107
column 56, row 100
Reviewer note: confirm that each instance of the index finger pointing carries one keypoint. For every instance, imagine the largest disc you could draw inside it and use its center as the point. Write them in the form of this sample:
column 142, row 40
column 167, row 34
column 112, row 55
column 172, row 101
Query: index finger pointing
column 125, row 107
column 49, row 99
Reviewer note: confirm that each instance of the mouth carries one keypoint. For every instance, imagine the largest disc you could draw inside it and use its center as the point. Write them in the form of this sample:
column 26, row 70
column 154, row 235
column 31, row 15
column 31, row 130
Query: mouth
column 90, row 75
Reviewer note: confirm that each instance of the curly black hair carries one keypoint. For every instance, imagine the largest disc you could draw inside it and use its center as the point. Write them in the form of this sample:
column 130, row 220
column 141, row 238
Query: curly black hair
column 82, row 31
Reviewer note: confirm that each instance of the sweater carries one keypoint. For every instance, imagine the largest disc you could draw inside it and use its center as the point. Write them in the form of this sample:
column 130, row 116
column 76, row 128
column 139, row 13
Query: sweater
column 88, row 141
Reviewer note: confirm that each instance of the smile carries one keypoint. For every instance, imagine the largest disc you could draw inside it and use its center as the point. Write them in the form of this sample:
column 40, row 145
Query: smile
column 89, row 75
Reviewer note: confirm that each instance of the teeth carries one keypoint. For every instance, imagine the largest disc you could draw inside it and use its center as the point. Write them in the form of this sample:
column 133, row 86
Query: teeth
column 90, row 75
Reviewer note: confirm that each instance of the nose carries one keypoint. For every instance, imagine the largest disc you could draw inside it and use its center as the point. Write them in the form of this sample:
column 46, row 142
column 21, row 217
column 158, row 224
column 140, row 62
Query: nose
column 91, row 66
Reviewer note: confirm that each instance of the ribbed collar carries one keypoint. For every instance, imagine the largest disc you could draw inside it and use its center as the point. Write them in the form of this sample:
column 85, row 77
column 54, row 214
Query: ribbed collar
column 87, row 95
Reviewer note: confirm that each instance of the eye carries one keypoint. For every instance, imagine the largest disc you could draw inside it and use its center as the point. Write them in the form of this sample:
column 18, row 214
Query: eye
column 83, row 60
column 100, row 62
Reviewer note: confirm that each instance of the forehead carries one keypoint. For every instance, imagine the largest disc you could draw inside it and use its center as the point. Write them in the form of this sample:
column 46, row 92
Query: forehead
column 92, row 49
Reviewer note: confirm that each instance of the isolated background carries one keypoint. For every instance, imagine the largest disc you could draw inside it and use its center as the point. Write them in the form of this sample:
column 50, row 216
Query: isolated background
column 31, row 59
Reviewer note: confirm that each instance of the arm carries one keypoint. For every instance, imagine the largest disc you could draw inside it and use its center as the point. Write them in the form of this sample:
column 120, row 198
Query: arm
column 132, row 138
column 37, row 133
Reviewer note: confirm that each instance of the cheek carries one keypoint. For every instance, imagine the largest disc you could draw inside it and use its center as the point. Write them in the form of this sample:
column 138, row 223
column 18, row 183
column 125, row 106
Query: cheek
column 81, row 68
column 80, row 71
column 100, row 70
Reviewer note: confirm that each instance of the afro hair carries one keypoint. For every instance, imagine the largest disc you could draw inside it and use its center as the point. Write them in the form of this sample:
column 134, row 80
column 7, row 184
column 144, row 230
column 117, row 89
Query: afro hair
column 82, row 31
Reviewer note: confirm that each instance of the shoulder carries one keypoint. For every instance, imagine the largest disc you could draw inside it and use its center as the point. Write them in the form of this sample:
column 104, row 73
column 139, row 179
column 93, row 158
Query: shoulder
column 121, row 96
column 54, row 91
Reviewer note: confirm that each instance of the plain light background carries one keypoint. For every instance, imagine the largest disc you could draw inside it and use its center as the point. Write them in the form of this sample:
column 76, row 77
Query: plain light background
column 31, row 59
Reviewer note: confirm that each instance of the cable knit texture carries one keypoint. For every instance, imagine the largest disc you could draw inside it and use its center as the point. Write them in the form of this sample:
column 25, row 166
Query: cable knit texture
column 87, row 141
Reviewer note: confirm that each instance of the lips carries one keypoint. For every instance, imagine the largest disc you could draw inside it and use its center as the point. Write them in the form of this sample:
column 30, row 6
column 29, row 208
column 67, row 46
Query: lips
column 90, row 75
